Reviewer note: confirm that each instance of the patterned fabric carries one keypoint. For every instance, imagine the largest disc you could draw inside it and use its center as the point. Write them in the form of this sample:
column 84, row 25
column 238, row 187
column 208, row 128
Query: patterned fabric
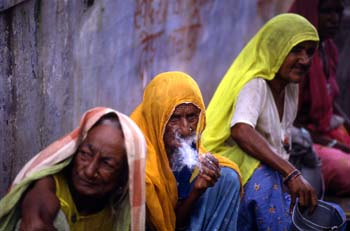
column 56, row 156
column 161, row 96
column 265, row 205
column 261, row 57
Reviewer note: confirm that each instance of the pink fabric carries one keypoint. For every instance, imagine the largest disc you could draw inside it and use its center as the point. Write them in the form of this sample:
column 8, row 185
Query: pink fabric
column 335, row 169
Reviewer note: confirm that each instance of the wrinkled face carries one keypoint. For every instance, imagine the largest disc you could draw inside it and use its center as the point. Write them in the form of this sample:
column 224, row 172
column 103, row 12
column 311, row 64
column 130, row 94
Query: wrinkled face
column 330, row 15
column 297, row 63
column 100, row 163
column 181, row 125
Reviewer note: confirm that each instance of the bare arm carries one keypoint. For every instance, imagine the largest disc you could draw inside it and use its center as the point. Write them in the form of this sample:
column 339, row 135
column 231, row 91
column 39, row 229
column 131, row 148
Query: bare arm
column 208, row 176
column 255, row 145
column 39, row 206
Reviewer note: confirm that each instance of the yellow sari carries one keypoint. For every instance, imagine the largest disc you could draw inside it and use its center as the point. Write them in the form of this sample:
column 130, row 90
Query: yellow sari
column 161, row 96
column 261, row 57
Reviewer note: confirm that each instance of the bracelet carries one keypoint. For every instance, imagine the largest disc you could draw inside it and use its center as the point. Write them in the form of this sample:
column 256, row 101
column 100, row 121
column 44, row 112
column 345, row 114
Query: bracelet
column 290, row 176
column 332, row 143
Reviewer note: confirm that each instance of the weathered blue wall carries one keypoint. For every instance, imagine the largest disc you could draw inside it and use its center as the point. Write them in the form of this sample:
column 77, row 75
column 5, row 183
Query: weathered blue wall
column 60, row 57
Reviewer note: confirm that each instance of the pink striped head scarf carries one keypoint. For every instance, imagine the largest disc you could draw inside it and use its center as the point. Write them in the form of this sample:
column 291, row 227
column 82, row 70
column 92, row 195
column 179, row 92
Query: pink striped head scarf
column 65, row 147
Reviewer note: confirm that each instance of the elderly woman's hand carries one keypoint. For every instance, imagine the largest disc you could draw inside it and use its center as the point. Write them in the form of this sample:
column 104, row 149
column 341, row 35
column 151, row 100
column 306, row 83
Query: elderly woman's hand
column 209, row 172
column 299, row 187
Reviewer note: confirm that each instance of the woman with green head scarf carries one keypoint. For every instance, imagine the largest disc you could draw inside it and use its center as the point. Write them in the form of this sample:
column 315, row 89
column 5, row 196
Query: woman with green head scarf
column 250, row 116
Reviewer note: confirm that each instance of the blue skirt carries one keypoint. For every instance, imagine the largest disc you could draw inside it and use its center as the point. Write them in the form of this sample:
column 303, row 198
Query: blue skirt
column 217, row 208
column 265, row 203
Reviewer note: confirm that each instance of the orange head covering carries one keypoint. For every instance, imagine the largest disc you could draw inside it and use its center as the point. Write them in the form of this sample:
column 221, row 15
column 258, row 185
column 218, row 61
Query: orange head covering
column 161, row 96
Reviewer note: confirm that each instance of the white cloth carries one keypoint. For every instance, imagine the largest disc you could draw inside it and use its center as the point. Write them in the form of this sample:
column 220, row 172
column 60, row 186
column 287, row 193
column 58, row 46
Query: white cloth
column 256, row 106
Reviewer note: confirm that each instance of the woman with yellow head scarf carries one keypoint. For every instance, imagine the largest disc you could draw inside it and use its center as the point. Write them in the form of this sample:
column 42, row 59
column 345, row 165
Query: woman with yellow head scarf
column 250, row 118
column 178, row 196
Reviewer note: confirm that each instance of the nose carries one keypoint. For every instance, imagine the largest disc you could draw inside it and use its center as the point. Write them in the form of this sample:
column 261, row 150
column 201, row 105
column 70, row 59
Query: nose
column 304, row 58
column 91, row 168
column 185, row 128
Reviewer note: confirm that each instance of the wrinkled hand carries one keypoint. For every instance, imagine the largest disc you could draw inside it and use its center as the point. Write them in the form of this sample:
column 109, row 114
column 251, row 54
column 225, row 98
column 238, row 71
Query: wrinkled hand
column 299, row 187
column 209, row 172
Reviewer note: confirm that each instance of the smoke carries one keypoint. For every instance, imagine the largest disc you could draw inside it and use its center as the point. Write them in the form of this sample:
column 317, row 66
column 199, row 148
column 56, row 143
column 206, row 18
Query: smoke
column 185, row 155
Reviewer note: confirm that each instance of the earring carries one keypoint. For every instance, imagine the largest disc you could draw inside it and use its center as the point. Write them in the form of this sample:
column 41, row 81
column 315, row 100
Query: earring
column 190, row 129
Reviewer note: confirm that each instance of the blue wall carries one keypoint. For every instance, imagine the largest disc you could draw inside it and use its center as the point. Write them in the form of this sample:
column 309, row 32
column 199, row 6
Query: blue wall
column 60, row 58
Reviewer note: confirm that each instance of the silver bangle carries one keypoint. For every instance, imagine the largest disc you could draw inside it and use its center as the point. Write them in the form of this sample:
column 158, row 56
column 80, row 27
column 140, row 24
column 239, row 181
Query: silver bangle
column 332, row 143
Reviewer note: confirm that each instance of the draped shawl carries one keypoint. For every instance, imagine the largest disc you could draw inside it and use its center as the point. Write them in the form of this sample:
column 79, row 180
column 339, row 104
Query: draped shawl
column 58, row 155
column 260, row 58
column 161, row 96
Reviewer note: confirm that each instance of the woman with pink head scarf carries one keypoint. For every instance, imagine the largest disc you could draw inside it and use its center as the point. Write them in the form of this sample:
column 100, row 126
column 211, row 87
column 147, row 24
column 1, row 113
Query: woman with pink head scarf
column 90, row 179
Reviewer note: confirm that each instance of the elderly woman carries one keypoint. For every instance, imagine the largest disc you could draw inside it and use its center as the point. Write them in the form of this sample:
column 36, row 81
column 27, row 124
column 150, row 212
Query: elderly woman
column 250, row 118
column 91, row 179
column 318, row 91
column 187, row 188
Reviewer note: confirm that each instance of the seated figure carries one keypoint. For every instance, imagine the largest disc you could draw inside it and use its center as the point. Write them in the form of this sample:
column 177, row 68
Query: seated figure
column 251, row 115
column 186, row 187
column 91, row 179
